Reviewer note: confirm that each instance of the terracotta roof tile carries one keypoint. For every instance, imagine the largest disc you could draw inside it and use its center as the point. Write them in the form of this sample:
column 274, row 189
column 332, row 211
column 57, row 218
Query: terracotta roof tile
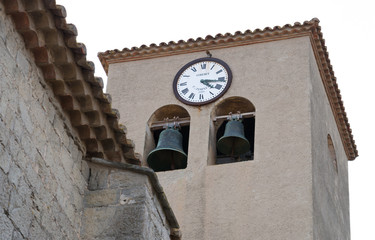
column 65, row 68
column 308, row 28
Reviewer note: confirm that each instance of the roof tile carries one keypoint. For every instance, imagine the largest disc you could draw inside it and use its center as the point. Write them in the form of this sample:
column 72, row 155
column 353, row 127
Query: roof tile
column 63, row 63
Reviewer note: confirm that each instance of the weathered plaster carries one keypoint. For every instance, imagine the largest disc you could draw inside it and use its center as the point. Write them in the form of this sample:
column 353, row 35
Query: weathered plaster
column 268, row 198
column 330, row 188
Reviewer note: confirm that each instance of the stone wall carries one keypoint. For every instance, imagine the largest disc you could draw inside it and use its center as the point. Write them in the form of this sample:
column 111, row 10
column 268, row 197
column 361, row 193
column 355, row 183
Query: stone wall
column 44, row 180
column 41, row 172
column 122, row 204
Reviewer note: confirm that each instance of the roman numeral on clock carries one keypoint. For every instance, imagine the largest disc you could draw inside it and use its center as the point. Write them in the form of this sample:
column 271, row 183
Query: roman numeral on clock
column 191, row 95
column 200, row 96
column 184, row 91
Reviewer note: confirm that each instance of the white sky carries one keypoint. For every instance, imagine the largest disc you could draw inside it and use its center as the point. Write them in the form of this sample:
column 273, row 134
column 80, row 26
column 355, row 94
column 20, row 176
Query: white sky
column 347, row 26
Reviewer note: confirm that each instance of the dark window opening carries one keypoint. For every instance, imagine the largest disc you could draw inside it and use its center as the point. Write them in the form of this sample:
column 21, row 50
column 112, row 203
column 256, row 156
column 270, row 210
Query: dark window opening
column 172, row 151
column 171, row 158
column 249, row 127
column 184, row 130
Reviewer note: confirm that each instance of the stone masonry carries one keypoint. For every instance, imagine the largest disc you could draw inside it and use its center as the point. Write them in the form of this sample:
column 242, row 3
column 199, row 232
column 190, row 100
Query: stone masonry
column 48, row 187
column 42, row 177
column 122, row 203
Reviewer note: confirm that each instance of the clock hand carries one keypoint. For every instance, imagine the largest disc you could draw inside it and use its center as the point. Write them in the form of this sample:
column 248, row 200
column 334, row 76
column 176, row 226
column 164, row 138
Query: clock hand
column 212, row 80
column 204, row 82
column 208, row 81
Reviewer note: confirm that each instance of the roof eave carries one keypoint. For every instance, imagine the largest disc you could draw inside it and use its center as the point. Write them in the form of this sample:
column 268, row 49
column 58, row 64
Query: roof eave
column 308, row 28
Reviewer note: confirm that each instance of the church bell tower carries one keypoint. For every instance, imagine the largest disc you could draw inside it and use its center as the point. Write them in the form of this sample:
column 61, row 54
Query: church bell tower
column 247, row 132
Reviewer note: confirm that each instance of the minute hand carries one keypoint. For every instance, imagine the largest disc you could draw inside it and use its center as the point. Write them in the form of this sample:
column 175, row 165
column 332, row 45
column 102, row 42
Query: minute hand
column 212, row 80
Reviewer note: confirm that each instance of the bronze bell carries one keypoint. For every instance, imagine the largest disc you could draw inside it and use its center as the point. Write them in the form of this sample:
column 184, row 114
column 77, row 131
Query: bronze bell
column 168, row 154
column 233, row 142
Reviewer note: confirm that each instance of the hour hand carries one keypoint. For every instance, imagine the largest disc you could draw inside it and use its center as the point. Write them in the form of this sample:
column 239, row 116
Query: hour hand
column 205, row 82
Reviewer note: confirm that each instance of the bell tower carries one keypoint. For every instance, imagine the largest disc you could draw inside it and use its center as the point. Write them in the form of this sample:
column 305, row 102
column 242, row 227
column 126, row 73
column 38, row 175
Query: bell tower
column 247, row 132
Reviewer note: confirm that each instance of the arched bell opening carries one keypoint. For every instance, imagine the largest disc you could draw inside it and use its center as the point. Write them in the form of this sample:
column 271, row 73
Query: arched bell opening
column 232, row 131
column 167, row 139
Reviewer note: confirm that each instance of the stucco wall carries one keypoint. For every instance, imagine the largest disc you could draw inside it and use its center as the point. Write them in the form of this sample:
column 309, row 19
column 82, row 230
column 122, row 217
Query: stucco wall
column 330, row 187
column 267, row 198
column 41, row 184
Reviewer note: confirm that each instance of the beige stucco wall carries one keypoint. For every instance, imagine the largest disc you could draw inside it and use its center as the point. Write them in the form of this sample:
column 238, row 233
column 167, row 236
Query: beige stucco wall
column 267, row 198
column 330, row 188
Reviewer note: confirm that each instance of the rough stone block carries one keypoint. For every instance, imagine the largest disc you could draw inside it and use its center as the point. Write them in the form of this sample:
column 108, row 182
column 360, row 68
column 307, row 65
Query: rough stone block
column 66, row 161
column 14, row 174
column 36, row 232
column 4, row 160
column 101, row 198
column 136, row 193
column 23, row 64
column 5, row 189
column 126, row 222
column 2, row 25
column 22, row 218
column 25, row 116
column 76, row 198
column 96, row 220
column 12, row 146
column 22, row 160
column 17, row 235
column 38, row 115
column 18, row 128
column 98, row 179
column 85, row 170
column 11, row 45
column 49, row 221
column 6, row 226
column 120, row 179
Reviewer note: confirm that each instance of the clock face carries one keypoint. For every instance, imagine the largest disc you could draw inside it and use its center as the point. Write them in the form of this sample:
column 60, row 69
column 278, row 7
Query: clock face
column 202, row 81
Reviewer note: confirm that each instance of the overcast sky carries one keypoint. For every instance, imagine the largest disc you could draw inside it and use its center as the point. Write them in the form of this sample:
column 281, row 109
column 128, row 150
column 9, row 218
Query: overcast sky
column 347, row 26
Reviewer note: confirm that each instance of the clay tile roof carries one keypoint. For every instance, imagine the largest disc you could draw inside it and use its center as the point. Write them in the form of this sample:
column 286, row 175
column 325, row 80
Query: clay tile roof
column 308, row 28
column 65, row 68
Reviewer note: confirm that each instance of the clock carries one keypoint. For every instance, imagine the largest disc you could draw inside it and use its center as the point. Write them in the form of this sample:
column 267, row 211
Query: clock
column 202, row 81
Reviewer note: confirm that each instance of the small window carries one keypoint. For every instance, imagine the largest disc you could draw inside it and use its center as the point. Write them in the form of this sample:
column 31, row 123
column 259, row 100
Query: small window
column 332, row 152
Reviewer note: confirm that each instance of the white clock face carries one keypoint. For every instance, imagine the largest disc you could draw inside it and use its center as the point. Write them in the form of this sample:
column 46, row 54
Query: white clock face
column 202, row 81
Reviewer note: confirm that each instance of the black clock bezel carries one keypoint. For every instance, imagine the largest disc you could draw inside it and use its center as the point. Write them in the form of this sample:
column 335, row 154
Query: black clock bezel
column 221, row 62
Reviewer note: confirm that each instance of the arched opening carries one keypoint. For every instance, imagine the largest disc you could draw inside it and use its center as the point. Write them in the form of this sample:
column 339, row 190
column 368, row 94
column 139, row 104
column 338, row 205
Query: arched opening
column 167, row 117
column 232, row 109
column 332, row 152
